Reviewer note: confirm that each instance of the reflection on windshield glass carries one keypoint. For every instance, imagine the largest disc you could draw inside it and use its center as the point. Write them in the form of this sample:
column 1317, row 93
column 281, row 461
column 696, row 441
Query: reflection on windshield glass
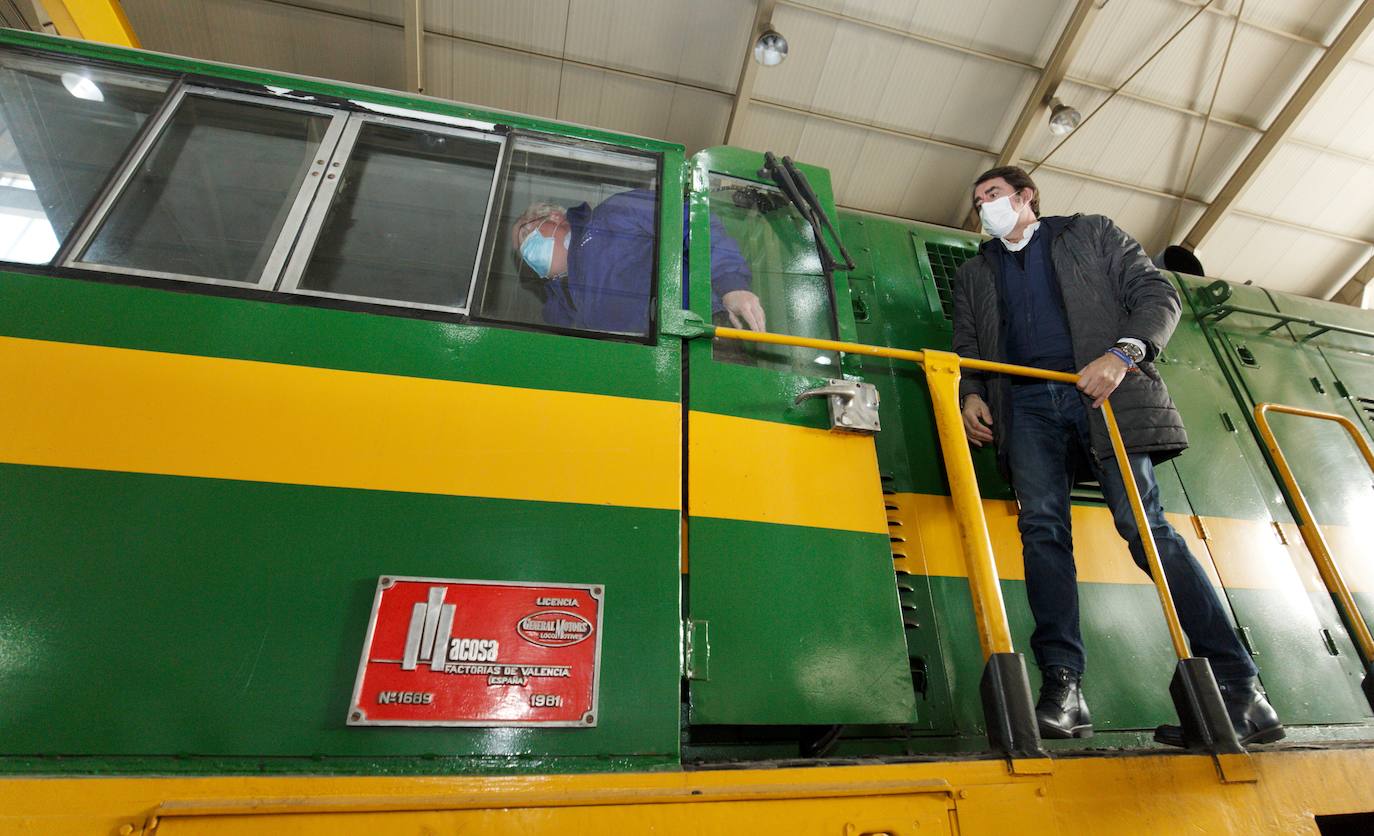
column 779, row 248
column 63, row 126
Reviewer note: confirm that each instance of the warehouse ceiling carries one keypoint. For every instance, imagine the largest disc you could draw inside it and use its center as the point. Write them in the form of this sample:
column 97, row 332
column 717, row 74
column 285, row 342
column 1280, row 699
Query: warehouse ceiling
column 906, row 101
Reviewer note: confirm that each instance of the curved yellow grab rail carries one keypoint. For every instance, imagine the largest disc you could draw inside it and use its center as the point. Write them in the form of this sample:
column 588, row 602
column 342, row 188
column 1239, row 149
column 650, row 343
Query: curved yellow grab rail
column 1311, row 532
column 942, row 375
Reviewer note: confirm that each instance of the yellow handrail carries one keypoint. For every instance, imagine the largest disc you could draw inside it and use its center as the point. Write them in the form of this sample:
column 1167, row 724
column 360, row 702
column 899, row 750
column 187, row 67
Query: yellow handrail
column 1311, row 532
column 942, row 374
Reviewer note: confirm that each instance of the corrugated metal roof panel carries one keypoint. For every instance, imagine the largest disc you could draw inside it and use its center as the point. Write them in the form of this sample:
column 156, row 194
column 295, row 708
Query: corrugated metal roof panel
column 701, row 42
column 1342, row 118
column 1019, row 29
column 1279, row 257
column 1302, row 185
column 1144, row 144
column 491, row 76
column 273, row 36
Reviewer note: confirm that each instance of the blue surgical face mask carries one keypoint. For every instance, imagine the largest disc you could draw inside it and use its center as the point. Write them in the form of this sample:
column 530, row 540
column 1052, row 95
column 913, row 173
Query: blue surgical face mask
column 537, row 251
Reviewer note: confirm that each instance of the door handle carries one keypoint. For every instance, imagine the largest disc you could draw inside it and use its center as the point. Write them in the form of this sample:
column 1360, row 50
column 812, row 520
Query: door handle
column 853, row 405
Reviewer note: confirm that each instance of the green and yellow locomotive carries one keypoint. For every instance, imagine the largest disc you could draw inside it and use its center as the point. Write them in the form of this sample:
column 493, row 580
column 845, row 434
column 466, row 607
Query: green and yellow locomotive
column 323, row 511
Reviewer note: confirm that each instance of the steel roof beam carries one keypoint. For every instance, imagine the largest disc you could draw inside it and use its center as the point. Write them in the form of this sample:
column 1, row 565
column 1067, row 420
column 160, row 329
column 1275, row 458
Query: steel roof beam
column 744, row 88
column 1311, row 87
column 91, row 20
column 1051, row 76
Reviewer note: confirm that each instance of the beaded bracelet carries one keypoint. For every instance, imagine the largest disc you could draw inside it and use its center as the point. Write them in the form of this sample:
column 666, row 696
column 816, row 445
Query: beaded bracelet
column 1122, row 356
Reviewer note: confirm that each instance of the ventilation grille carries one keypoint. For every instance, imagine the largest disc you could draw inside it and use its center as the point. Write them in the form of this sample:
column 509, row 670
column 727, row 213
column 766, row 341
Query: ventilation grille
column 1367, row 405
column 944, row 261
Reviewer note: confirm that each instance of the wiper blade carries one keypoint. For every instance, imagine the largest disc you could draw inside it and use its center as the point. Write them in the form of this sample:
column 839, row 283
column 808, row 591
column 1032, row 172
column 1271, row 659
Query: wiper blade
column 805, row 186
column 785, row 181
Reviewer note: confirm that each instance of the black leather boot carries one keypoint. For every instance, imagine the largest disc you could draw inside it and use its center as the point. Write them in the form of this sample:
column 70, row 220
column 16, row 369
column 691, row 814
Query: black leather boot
column 1061, row 711
column 1253, row 718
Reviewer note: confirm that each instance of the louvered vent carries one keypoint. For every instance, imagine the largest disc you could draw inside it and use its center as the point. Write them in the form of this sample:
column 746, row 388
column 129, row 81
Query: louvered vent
column 1367, row 404
column 944, row 261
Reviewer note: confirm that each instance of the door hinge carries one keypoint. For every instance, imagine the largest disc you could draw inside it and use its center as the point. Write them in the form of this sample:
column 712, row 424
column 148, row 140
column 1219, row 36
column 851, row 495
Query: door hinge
column 1330, row 642
column 1247, row 640
column 1201, row 528
column 1278, row 532
column 696, row 650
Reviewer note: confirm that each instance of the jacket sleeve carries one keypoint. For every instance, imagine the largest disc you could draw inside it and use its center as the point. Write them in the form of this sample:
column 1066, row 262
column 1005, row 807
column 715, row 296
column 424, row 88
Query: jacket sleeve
column 966, row 337
column 729, row 270
column 1149, row 298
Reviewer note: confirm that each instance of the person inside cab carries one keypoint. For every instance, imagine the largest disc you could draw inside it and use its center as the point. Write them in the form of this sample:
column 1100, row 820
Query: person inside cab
column 597, row 265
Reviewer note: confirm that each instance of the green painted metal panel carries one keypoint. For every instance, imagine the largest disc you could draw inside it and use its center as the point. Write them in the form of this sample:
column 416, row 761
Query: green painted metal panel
column 153, row 615
column 804, row 623
column 810, row 637
column 183, row 321
column 219, row 623
column 1224, row 474
column 895, row 290
column 1260, row 364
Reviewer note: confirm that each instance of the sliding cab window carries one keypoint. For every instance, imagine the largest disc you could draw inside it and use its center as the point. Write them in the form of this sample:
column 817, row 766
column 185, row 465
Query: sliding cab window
column 217, row 192
column 64, row 127
column 400, row 216
column 573, row 239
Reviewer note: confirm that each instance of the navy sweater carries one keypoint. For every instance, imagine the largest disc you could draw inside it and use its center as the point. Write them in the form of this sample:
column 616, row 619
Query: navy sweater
column 1036, row 327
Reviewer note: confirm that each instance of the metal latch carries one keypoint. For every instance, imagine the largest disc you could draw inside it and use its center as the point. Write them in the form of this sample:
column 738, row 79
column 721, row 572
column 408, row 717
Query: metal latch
column 853, row 405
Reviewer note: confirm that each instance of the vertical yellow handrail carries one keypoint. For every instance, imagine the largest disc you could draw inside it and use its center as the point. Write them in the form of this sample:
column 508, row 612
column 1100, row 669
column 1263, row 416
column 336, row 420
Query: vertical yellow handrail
column 942, row 375
column 1311, row 532
column 989, row 610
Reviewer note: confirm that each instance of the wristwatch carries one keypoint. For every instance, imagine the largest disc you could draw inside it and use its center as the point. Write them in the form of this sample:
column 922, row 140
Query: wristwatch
column 1131, row 350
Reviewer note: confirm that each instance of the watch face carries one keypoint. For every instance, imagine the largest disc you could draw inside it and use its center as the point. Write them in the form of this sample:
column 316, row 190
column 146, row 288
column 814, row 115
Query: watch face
column 1132, row 351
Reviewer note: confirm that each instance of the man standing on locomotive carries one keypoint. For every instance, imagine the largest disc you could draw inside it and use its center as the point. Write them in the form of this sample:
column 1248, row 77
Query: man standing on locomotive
column 598, row 264
column 1077, row 294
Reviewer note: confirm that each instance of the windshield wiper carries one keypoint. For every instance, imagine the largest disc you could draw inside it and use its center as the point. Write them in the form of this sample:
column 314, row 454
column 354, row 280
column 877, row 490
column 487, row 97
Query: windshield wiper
column 795, row 186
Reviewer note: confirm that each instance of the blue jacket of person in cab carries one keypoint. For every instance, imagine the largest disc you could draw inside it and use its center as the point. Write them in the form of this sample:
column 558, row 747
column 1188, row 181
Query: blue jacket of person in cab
column 599, row 264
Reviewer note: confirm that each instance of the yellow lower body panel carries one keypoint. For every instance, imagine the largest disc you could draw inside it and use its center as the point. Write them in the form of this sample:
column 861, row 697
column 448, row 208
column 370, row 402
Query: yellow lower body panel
column 1146, row 794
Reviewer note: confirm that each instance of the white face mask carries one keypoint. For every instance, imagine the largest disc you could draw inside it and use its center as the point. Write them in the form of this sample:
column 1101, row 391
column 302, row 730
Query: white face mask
column 998, row 216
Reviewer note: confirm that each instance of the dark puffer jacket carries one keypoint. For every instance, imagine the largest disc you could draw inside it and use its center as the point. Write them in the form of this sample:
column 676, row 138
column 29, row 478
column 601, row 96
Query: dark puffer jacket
column 1109, row 290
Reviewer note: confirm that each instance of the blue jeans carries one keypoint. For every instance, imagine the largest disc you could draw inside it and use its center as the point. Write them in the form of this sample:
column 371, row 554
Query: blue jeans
column 1050, row 439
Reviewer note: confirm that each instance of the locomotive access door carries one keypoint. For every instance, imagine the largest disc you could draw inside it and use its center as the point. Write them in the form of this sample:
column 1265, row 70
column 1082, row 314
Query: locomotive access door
column 1307, row 661
column 792, row 602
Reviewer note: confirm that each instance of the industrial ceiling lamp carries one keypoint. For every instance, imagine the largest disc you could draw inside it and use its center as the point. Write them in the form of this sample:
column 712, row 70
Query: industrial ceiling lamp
column 770, row 49
column 82, row 87
column 1063, row 119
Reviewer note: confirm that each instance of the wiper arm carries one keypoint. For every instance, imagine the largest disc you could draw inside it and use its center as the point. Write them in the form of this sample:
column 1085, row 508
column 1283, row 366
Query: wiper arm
column 805, row 187
column 785, row 181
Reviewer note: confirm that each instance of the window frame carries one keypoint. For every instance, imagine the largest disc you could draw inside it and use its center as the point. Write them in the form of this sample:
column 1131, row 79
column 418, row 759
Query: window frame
column 313, row 223
column 492, row 233
column 68, row 260
column 276, row 262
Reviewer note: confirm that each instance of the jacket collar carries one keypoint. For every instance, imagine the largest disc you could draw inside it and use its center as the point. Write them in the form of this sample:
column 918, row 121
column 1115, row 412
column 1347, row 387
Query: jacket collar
column 1050, row 224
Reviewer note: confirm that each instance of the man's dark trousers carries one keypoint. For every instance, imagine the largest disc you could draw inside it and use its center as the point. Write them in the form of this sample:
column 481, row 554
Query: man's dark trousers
column 1050, row 428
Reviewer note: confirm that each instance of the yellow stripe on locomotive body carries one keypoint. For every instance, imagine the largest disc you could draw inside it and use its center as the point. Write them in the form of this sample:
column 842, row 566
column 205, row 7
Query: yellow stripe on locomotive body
column 1124, row 796
column 763, row 471
column 100, row 408
column 1244, row 554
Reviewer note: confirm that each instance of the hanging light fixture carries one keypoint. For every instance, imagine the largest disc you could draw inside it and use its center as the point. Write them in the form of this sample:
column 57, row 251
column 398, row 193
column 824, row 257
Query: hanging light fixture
column 770, row 49
column 82, row 87
column 1063, row 119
